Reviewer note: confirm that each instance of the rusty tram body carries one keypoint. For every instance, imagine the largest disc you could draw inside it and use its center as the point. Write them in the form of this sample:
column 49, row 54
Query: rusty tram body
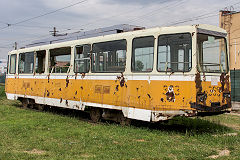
column 149, row 75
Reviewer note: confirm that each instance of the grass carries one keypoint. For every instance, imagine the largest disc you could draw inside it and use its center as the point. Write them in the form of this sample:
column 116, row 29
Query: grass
column 61, row 134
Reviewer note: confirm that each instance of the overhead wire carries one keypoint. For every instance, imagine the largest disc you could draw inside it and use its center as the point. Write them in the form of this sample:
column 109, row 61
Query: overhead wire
column 45, row 14
column 202, row 16
column 192, row 19
column 174, row 5
column 92, row 22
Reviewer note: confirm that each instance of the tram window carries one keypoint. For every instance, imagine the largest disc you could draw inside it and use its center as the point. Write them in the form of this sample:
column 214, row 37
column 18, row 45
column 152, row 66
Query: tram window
column 8, row 63
column 175, row 53
column 109, row 56
column 12, row 68
column 60, row 60
column 26, row 61
column 40, row 61
column 142, row 56
column 82, row 59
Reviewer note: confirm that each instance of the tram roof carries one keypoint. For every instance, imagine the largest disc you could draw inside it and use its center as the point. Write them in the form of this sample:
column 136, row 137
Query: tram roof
column 115, row 32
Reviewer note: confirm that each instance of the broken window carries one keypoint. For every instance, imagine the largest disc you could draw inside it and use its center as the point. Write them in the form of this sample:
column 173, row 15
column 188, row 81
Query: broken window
column 26, row 62
column 12, row 67
column 82, row 59
column 40, row 61
column 109, row 56
column 60, row 60
column 175, row 53
column 142, row 54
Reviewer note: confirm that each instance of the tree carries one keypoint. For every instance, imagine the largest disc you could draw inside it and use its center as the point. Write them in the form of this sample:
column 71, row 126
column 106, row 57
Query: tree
column 139, row 66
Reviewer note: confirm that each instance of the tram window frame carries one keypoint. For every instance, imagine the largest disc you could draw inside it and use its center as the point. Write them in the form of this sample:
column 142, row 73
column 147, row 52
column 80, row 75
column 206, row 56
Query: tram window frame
column 7, row 64
column 59, row 53
column 106, row 52
column 199, row 67
column 39, row 66
column 15, row 62
column 177, row 63
column 85, row 58
column 26, row 64
column 133, row 69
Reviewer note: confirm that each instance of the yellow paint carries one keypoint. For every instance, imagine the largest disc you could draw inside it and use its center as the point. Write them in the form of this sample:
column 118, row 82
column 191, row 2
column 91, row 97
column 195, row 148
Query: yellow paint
column 134, row 93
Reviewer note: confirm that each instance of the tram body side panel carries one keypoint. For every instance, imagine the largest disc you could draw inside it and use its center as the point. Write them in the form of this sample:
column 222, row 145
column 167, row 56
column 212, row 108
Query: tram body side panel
column 151, row 95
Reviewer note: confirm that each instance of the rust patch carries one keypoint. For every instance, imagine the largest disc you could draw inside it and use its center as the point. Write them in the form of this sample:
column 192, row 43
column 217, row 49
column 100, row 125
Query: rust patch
column 48, row 93
column 60, row 89
column 227, row 83
column 149, row 96
column 198, row 82
column 67, row 82
column 76, row 93
column 162, row 100
column 170, row 94
column 83, row 75
column 121, row 80
column 82, row 87
column 222, row 80
column 106, row 89
column 48, row 77
column 76, row 75
column 225, row 86
column 116, row 87
column 201, row 96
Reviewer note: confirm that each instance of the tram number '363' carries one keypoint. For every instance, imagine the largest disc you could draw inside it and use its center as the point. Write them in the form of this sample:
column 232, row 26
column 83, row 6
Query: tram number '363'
column 214, row 91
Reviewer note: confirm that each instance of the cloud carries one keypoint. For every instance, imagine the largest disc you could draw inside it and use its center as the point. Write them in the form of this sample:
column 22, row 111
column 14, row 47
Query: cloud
column 98, row 13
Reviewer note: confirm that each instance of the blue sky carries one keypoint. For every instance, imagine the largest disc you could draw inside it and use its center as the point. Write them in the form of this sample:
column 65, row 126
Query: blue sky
column 94, row 14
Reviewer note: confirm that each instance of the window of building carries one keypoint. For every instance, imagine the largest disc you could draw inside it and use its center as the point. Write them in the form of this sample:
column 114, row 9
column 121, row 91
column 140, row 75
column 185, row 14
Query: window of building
column 12, row 67
column 40, row 61
column 82, row 59
column 26, row 62
column 60, row 60
column 175, row 53
column 142, row 54
column 109, row 56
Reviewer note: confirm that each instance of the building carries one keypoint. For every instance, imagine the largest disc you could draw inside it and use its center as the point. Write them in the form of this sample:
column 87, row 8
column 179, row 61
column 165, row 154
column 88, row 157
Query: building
column 229, row 20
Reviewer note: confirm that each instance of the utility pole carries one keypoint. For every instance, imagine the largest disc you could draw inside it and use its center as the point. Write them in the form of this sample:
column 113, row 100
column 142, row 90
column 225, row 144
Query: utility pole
column 54, row 32
column 15, row 45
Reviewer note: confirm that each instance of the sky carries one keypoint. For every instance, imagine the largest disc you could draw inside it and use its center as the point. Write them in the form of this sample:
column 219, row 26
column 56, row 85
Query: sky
column 93, row 14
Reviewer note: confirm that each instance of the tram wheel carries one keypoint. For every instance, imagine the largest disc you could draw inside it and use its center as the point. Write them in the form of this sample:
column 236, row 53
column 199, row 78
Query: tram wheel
column 95, row 114
column 25, row 103
column 40, row 107
column 124, row 121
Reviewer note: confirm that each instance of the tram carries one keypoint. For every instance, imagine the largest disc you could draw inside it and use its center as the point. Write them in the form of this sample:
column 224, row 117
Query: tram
column 150, row 74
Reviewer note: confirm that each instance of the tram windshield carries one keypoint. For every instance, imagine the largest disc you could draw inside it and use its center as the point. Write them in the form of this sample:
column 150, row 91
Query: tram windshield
column 212, row 55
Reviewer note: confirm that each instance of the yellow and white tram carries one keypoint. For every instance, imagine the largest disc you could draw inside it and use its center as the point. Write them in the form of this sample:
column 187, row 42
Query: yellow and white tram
column 150, row 75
